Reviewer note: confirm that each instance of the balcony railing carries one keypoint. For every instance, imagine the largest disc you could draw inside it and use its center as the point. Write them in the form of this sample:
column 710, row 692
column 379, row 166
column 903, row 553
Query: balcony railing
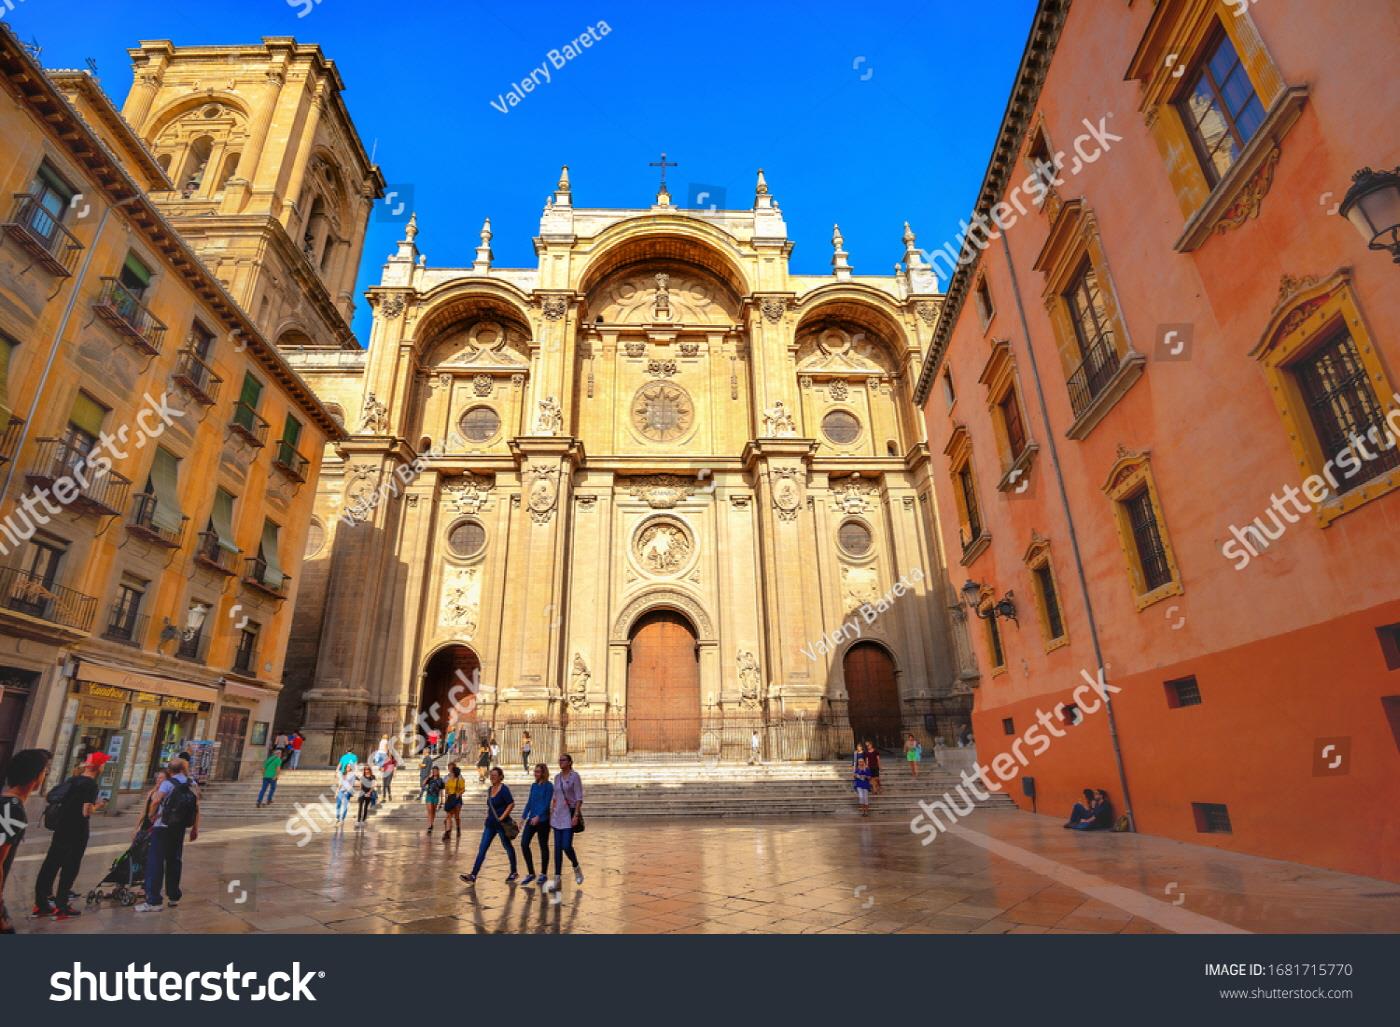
column 1092, row 376
column 255, row 574
column 194, row 644
column 245, row 661
column 197, row 376
column 215, row 556
column 9, row 440
column 247, row 423
column 41, row 233
column 102, row 493
column 143, row 524
column 289, row 461
column 29, row 594
column 119, row 307
column 123, row 628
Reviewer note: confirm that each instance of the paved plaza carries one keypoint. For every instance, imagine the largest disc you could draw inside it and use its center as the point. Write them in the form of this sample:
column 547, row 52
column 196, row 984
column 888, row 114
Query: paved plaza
column 1000, row 871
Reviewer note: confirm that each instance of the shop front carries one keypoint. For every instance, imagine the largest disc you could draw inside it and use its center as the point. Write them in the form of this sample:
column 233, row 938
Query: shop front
column 16, row 688
column 138, row 720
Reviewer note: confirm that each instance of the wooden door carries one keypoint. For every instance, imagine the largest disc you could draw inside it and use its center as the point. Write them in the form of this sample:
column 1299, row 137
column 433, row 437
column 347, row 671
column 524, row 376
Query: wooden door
column 663, row 686
column 230, row 732
column 874, row 698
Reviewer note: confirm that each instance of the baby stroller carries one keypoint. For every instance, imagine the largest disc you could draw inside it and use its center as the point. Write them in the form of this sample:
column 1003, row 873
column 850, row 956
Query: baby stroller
column 127, row 876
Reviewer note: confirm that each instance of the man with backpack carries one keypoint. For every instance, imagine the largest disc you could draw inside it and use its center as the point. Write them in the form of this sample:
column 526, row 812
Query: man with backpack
column 177, row 810
column 70, row 806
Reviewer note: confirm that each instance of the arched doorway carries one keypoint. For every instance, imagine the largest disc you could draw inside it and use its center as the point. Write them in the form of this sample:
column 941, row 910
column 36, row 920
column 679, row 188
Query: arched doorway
column 449, row 688
column 874, row 698
column 663, row 685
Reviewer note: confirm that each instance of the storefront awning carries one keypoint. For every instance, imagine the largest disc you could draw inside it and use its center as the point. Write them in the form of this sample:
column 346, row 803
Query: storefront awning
column 104, row 675
column 248, row 691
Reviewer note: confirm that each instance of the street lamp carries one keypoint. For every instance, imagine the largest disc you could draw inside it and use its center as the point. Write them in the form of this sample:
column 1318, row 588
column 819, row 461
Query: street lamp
column 1372, row 204
column 1004, row 607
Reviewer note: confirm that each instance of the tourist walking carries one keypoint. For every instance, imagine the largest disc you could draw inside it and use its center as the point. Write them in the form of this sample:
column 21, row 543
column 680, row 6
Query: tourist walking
column 483, row 761
column 425, row 767
column 872, row 763
column 536, row 820
column 390, row 766
column 566, row 818
column 344, row 789
column 431, row 792
column 526, row 748
column 272, row 766
column 298, row 740
column 913, row 753
column 366, row 796
column 23, row 777
column 455, row 788
column 862, row 785
column 73, row 803
column 451, row 739
column 499, row 803
column 434, row 735
column 495, row 751
column 349, row 761
column 177, row 810
column 755, row 745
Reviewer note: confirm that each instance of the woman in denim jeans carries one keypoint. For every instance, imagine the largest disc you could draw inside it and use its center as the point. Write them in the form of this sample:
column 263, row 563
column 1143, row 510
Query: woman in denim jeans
column 536, row 819
column 566, row 807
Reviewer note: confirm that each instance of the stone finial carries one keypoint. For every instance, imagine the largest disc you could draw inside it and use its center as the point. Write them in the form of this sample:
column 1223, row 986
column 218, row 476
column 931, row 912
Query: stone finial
column 483, row 251
column 411, row 232
column 762, row 188
column 486, row 231
column 908, row 235
column 840, row 265
column 762, row 199
column 912, row 257
column 563, row 185
column 563, row 192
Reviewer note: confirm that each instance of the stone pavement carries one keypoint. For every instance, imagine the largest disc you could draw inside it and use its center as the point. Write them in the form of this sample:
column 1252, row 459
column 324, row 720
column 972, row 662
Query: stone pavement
column 999, row 871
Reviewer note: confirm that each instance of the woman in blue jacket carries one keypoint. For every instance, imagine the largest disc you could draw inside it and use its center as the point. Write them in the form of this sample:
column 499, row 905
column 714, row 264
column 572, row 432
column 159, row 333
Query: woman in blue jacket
column 536, row 818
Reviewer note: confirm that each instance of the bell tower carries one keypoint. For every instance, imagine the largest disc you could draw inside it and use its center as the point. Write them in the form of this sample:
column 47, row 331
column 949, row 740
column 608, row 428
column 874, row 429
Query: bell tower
column 273, row 185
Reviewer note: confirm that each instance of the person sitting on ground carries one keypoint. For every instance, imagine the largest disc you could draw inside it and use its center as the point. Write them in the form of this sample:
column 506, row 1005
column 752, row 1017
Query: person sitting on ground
column 1100, row 816
column 1081, row 810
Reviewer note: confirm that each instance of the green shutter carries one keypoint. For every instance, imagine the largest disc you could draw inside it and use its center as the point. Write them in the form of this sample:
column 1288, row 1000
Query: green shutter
column 137, row 270
column 252, row 391
column 223, row 519
column 272, row 574
column 7, row 347
column 291, row 431
column 87, row 415
column 165, row 477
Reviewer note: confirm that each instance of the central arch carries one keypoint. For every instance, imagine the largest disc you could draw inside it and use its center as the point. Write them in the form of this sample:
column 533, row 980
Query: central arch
column 448, row 695
column 663, row 684
column 873, row 695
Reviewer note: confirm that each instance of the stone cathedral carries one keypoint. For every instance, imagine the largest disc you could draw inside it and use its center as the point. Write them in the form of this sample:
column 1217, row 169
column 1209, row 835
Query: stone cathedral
column 650, row 495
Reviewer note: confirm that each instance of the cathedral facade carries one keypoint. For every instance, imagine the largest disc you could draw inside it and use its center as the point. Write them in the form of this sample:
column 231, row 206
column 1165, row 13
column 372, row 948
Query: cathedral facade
column 649, row 496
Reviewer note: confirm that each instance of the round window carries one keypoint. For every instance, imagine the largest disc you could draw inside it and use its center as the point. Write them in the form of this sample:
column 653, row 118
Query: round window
column 841, row 427
column 466, row 538
column 854, row 538
column 480, row 423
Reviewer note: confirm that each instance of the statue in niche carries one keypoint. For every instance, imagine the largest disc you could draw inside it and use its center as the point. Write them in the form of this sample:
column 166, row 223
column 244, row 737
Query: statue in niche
column 375, row 416
column 777, row 421
column 661, row 304
column 550, row 420
column 749, row 679
column 579, row 677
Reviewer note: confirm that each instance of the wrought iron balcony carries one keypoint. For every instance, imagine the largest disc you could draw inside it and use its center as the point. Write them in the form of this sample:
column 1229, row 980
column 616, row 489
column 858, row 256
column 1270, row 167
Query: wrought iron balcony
column 101, row 493
column 9, row 439
column 290, row 462
column 194, row 643
column 245, row 661
column 214, row 555
column 247, row 423
column 126, row 629
column 39, row 231
column 197, row 376
column 29, row 594
column 255, row 574
column 142, row 522
column 1092, row 376
column 119, row 307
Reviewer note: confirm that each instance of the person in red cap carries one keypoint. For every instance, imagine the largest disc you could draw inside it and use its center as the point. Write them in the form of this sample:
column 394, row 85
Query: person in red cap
column 76, row 800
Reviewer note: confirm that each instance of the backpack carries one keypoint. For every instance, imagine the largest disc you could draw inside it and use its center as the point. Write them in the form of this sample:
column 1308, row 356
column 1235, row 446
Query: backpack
column 179, row 807
column 53, row 810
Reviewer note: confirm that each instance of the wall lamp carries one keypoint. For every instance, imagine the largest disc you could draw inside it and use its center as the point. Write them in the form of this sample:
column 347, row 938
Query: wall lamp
column 1372, row 205
column 1004, row 607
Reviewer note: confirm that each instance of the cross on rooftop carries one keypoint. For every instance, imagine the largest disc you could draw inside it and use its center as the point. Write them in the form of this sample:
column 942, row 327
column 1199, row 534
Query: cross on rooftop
column 663, row 164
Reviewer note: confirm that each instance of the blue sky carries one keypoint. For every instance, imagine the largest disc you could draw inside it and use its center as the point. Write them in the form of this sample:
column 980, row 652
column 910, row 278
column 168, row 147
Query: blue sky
column 862, row 114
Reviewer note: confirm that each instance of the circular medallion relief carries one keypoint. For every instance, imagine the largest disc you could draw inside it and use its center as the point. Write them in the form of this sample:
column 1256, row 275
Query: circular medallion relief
column 662, row 412
column 854, row 538
column 466, row 538
column 841, row 427
column 663, row 545
column 479, row 424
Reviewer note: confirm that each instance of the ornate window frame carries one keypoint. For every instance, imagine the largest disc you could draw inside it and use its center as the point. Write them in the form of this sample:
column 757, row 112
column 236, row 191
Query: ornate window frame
column 477, row 404
column 452, row 526
column 1167, row 57
column 959, row 454
column 1130, row 475
column 1037, row 556
column 865, row 557
column 1307, row 314
column 1074, row 238
column 986, row 607
column 1038, row 138
column 1000, row 378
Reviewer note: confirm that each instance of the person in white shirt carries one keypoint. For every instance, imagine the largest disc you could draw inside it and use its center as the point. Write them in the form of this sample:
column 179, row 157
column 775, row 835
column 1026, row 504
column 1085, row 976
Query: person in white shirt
column 566, row 818
column 343, row 791
column 755, row 746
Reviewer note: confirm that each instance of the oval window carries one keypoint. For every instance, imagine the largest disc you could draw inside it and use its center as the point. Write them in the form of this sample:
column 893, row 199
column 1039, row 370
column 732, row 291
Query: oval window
column 466, row 538
column 480, row 424
column 841, row 427
column 854, row 538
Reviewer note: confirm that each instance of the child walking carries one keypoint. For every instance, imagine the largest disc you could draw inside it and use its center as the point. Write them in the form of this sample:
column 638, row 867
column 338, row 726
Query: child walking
column 863, row 786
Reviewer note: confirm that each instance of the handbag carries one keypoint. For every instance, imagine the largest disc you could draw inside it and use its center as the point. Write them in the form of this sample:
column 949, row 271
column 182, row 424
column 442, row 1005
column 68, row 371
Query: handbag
column 573, row 812
column 509, row 827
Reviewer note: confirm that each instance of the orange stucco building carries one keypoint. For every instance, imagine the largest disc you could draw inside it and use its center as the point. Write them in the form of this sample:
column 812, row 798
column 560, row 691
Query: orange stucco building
column 1163, row 389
